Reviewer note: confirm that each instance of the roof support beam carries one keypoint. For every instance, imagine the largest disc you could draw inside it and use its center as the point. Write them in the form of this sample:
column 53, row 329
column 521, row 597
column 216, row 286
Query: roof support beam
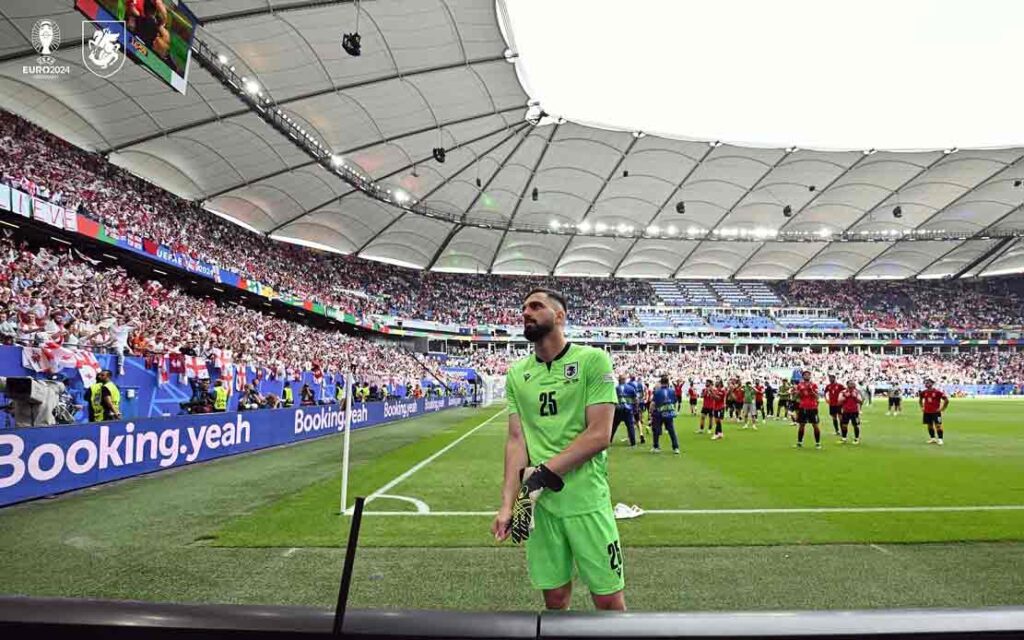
column 352, row 191
column 434, row 190
column 522, row 195
column 593, row 201
column 317, row 93
column 967, row 193
column 444, row 245
column 725, row 215
column 266, row 176
column 991, row 255
column 476, row 198
column 664, row 204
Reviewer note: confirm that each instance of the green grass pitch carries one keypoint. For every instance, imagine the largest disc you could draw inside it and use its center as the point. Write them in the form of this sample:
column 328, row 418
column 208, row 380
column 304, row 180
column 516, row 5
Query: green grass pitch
column 747, row 522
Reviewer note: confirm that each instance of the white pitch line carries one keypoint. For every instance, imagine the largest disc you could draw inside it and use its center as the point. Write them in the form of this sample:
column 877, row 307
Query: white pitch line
column 715, row 512
column 423, row 463
column 878, row 548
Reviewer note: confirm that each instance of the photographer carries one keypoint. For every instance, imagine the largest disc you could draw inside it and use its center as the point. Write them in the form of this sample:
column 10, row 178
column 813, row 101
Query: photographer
column 251, row 399
column 306, row 396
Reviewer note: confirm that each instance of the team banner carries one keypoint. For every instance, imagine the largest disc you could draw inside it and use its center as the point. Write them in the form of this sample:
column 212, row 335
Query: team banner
column 5, row 197
column 54, row 215
column 49, row 460
column 21, row 203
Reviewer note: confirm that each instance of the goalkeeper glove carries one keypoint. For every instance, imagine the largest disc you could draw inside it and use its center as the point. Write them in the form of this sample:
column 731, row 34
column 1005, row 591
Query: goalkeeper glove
column 535, row 480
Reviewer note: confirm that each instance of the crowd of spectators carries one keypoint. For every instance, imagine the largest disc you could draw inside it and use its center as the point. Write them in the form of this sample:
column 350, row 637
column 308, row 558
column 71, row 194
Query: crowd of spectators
column 49, row 297
column 982, row 367
column 48, row 167
column 914, row 304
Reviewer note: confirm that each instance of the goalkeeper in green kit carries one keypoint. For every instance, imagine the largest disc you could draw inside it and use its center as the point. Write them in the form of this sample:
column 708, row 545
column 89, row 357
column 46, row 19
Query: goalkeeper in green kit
column 556, row 499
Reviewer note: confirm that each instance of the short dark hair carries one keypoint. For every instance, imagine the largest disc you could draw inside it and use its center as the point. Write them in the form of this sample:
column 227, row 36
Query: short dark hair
column 551, row 293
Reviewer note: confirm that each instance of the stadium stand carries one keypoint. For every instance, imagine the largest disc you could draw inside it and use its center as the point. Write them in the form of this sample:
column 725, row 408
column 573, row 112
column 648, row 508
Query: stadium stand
column 981, row 367
column 760, row 294
column 47, row 167
column 668, row 317
column 730, row 294
column 736, row 321
column 799, row 321
column 58, row 298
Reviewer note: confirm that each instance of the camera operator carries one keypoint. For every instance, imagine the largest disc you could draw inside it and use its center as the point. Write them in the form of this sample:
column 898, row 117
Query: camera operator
column 104, row 399
column 251, row 399
column 201, row 400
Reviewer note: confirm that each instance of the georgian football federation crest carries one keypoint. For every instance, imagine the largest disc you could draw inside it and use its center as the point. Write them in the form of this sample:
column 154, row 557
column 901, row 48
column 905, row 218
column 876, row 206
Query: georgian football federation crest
column 571, row 370
column 104, row 44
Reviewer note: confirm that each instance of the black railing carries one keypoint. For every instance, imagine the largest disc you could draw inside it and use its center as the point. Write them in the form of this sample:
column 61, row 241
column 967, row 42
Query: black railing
column 78, row 619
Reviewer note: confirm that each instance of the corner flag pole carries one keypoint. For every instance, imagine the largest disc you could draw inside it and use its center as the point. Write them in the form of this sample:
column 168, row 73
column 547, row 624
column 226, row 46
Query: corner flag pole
column 349, row 378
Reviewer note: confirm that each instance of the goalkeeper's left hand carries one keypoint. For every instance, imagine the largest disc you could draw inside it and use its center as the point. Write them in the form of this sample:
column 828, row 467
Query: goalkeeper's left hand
column 535, row 480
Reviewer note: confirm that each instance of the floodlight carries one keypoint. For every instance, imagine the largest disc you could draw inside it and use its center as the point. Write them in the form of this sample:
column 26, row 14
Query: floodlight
column 439, row 154
column 897, row 211
column 680, row 207
column 787, row 211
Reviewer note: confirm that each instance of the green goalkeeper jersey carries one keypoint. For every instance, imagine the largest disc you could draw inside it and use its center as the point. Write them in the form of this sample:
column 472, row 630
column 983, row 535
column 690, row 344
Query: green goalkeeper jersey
column 551, row 401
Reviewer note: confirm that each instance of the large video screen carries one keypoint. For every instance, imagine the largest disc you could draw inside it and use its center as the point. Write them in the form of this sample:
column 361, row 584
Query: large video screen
column 159, row 33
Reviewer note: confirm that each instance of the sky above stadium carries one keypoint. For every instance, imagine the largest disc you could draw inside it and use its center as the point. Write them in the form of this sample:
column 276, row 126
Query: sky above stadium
column 905, row 75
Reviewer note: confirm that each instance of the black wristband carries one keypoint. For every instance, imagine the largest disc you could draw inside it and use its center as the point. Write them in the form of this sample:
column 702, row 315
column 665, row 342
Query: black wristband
column 544, row 478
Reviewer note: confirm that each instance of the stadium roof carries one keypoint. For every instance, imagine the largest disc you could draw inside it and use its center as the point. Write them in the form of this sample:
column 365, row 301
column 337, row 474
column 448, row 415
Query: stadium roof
column 438, row 73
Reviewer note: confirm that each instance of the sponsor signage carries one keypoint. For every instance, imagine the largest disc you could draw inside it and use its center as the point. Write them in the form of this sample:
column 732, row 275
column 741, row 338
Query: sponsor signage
column 48, row 460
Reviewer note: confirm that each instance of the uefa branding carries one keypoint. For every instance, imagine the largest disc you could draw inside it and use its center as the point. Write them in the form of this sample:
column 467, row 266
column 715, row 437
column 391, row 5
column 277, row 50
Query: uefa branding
column 46, row 40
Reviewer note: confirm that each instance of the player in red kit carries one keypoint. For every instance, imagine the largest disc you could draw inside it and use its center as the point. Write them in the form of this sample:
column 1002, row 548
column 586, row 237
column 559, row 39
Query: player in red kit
column 678, row 388
column 759, row 399
column 718, row 395
column 832, row 391
column 933, row 402
column 737, row 400
column 807, row 410
column 850, row 400
column 707, row 408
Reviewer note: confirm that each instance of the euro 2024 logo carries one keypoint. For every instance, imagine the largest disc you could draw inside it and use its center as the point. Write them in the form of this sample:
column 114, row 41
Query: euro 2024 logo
column 103, row 51
column 46, row 40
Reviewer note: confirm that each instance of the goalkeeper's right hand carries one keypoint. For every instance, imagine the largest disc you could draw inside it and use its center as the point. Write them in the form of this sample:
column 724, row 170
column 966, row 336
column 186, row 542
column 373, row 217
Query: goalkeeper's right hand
column 535, row 480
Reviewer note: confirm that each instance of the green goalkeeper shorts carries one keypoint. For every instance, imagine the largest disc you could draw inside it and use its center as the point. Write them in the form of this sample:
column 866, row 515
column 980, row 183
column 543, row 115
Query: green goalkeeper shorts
column 589, row 541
